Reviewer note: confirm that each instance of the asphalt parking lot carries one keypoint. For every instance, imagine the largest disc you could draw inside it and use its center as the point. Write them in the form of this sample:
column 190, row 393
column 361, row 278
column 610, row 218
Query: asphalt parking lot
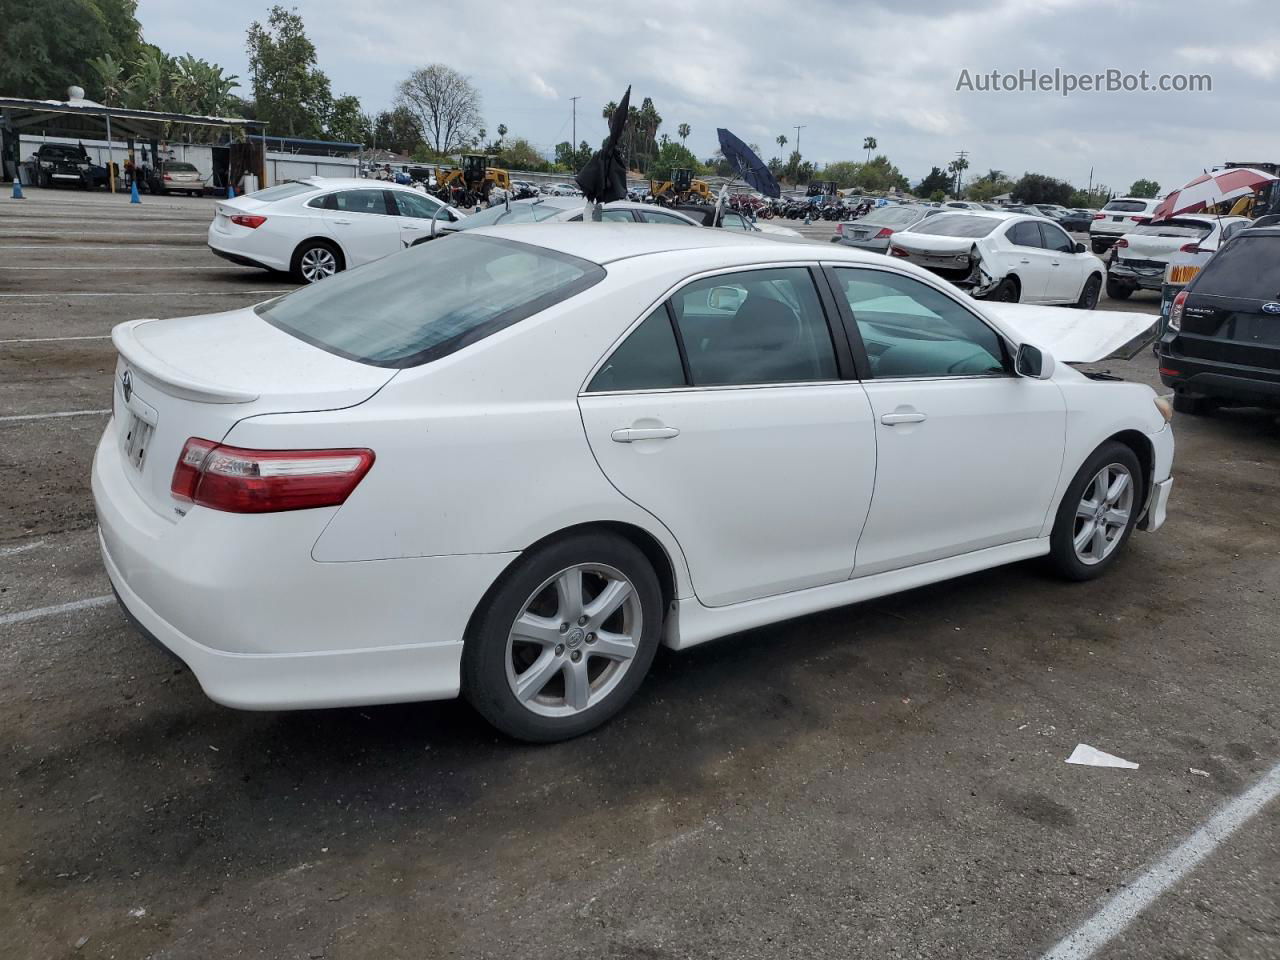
column 884, row 780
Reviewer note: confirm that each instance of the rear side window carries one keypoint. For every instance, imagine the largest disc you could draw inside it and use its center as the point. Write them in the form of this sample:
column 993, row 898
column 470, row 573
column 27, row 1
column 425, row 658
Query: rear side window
column 1055, row 239
column 283, row 191
column 652, row 216
column 649, row 359
column 1025, row 234
column 430, row 300
column 1247, row 268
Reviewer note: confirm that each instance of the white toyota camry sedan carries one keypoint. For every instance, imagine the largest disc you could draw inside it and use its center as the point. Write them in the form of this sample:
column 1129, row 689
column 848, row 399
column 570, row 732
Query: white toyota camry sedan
column 320, row 226
column 511, row 462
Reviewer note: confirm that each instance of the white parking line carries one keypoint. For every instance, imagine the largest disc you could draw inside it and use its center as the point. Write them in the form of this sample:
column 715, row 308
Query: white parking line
column 50, row 416
column 96, row 246
column 1122, row 909
column 22, row 616
column 103, row 336
column 99, row 268
column 134, row 293
column 8, row 232
column 22, row 548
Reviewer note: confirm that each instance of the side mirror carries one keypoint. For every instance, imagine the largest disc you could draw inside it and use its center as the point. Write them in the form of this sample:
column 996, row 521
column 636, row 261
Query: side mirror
column 724, row 298
column 1033, row 362
column 1080, row 248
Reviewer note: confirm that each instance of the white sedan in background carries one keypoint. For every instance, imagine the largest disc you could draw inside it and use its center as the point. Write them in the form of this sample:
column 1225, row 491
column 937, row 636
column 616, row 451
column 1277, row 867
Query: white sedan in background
column 319, row 226
column 1010, row 257
column 564, row 444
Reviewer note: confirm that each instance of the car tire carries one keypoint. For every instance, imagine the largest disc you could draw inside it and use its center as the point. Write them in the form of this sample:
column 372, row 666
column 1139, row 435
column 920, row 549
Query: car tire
column 1006, row 291
column 1090, row 293
column 1077, row 550
column 1118, row 291
column 314, row 260
column 555, row 683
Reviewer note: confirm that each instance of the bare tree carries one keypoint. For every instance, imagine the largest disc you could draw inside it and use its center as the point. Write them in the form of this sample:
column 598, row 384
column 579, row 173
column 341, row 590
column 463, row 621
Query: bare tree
column 445, row 105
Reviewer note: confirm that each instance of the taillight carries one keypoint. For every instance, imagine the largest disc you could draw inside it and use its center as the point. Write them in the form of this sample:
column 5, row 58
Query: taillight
column 167, row 177
column 252, row 221
column 1170, row 372
column 1122, row 242
column 1099, row 216
column 1189, row 248
column 1140, row 219
column 898, row 252
column 1175, row 311
column 840, row 229
column 266, row 481
column 884, row 232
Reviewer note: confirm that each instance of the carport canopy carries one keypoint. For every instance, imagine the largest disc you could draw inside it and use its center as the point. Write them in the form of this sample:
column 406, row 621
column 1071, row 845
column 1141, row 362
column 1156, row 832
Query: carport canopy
column 88, row 119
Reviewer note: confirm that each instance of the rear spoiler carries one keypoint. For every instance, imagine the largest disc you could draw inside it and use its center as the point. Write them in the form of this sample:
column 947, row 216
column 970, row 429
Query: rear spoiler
column 168, row 378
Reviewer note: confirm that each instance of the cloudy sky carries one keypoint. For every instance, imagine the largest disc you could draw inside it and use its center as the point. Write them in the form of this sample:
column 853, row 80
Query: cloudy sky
column 882, row 68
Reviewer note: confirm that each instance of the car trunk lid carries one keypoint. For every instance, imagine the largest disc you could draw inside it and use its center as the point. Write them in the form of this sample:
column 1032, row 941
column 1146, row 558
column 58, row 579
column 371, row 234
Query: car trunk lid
column 199, row 376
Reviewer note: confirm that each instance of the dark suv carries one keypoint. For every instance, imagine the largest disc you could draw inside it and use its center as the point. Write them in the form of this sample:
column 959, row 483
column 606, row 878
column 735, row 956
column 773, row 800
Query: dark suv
column 60, row 164
column 1222, row 342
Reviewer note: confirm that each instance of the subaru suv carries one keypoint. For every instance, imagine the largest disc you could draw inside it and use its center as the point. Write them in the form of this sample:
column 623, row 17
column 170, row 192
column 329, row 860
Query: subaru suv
column 1222, row 341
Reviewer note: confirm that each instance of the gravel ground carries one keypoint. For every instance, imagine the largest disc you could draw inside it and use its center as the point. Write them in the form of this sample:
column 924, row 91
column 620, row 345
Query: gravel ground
column 884, row 780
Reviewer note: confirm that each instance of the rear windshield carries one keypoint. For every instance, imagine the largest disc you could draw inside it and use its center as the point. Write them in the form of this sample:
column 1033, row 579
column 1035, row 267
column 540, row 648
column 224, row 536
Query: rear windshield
column 519, row 213
column 283, row 191
column 1126, row 206
column 957, row 225
column 1247, row 268
column 181, row 167
column 430, row 300
column 1173, row 228
column 891, row 216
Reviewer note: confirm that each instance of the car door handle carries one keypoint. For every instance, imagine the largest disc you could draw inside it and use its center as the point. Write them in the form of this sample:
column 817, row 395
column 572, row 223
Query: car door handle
column 410, row 226
column 1024, row 260
column 891, row 419
column 345, row 223
column 632, row 434
column 1057, row 263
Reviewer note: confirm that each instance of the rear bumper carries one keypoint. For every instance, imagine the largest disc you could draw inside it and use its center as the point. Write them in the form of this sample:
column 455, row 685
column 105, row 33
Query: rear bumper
column 240, row 258
column 262, row 625
column 251, row 248
column 1118, row 271
column 1226, row 381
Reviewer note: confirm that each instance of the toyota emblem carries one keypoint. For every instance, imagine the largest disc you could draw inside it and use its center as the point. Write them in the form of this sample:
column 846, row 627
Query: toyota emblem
column 126, row 385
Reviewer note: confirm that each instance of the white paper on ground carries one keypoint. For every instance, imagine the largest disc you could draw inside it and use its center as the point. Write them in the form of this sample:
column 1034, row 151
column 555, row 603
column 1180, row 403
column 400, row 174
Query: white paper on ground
column 1092, row 757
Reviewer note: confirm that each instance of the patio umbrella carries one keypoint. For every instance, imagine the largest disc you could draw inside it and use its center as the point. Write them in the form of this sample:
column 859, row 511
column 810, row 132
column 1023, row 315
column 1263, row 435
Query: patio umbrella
column 748, row 166
column 604, row 178
column 1211, row 189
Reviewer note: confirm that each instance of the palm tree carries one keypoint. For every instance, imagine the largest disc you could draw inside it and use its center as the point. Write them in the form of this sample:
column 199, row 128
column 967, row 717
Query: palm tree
column 683, row 132
column 993, row 175
column 148, row 86
column 869, row 144
column 782, row 141
column 111, row 76
column 502, row 132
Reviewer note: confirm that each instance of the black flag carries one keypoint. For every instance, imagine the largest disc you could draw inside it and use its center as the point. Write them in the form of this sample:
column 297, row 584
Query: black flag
column 604, row 178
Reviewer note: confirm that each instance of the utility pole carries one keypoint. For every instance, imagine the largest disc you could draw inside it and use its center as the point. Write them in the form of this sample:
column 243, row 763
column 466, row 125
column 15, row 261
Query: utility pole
column 573, row 147
column 960, row 155
column 799, row 127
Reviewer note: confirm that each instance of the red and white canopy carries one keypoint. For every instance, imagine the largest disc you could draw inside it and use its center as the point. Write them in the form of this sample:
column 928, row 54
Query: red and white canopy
column 1210, row 189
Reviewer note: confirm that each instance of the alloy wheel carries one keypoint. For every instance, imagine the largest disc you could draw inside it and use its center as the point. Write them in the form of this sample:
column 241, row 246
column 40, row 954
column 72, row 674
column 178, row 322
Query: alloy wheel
column 575, row 638
column 318, row 263
column 1102, row 516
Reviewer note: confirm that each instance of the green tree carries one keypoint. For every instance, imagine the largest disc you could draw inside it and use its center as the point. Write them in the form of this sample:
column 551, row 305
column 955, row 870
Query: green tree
column 445, row 106
column 672, row 156
column 520, row 154
column 199, row 87
column 1144, row 188
column 46, row 47
column 640, row 134
column 150, row 77
column 956, row 168
column 683, row 132
column 994, row 176
column 571, row 159
column 781, row 141
column 983, row 190
column 1038, row 188
column 348, row 123
column 397, row 130
column 110, row 78
column 291, row 93
column 936, row 181
column 869, row 144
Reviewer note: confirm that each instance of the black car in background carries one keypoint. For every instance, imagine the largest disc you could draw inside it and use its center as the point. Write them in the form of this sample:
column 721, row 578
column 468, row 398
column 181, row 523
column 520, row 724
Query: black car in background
column 1076, row 221
column 1222, row 341
column 62, row 165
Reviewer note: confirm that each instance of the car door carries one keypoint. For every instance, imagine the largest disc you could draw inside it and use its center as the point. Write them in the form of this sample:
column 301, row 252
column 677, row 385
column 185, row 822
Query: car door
column 363, row 223
column 414, row 212
column 728, row 414
column 1066, row 267
column 1029, row 259
column 968, row 454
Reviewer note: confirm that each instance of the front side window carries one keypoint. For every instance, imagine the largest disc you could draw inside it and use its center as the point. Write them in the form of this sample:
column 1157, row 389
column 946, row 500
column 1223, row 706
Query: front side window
column 649, row 359
column 756, row 326
column 653, row 216
column 911, row 330
column 416, row 205
column 1055, row 239
column 430, row 300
